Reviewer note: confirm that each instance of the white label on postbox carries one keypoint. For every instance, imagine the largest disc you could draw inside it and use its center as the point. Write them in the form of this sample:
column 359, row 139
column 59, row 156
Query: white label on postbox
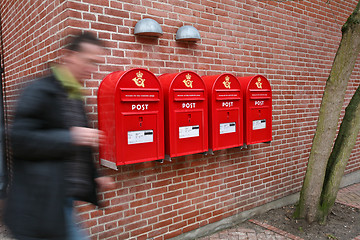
column 189, row 131
column 227, row 127
column 135, row 137
column 259, row 124
column 188, row 105
column 140, row 107
column 228, row 104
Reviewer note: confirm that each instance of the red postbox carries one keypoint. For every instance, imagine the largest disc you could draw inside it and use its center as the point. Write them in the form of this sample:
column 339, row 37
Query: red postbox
column 225, row 111
column 131, row 113
column 257, row 109
column 186, row 124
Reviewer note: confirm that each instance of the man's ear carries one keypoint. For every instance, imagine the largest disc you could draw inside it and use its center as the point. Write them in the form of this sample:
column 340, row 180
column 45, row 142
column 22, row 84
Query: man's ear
column 66, row 55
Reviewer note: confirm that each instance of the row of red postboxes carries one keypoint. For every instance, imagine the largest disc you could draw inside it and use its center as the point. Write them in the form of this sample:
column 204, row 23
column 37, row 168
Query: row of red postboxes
column 147, row 118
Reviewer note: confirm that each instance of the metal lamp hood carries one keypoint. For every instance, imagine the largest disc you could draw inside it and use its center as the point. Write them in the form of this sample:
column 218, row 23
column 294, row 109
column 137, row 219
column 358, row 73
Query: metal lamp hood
column 148, row 27
column 187, row 33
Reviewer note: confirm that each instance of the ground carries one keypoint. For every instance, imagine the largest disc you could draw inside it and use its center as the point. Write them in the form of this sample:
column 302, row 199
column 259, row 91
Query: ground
column 343, row 223
column 278, row 224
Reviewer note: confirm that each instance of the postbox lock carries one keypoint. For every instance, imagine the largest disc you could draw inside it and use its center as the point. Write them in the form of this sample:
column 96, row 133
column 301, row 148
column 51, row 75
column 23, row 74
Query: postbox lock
column 140, row 121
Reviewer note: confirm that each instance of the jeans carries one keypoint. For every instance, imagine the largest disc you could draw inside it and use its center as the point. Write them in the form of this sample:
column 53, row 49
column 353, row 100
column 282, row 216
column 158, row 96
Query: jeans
column 73, row 232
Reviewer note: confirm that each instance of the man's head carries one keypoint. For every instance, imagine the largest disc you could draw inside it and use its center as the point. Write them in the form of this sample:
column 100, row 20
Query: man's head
column 82, row 55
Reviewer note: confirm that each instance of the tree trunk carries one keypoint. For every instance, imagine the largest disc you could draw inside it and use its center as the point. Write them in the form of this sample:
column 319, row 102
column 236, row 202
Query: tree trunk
column 331, row 105
column 339, row 157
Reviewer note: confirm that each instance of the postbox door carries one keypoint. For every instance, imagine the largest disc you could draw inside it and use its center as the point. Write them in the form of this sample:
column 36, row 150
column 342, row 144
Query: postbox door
column 259, row 120
column 140, row 134
column 227, row 125
column 227, row 119
column 189, row 132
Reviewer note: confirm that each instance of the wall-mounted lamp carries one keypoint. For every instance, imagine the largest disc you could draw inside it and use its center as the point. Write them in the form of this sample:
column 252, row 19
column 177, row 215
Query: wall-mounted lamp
column 148, row 27
column 187, row 33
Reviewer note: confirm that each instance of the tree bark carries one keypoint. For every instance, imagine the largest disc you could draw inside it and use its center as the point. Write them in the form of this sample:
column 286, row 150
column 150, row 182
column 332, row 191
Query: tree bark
column 339, row 157
column 331, row 105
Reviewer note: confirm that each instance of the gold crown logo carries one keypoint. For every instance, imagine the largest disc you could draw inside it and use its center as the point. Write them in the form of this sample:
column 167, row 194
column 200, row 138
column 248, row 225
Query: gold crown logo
column 259, row 83
column 139, row 74
column 139, row 81
column 187, row 81
column 227, row 82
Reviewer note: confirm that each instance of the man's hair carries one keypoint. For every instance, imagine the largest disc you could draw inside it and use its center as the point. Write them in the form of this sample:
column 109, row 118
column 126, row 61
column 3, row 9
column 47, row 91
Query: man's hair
column 84, row 37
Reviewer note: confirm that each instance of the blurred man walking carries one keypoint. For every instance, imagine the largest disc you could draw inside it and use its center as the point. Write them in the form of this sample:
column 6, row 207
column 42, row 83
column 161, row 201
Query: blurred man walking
column 52, row 149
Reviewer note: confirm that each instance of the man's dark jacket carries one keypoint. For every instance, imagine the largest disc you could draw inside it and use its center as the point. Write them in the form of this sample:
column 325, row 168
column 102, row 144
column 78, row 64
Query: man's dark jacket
column 41, row 145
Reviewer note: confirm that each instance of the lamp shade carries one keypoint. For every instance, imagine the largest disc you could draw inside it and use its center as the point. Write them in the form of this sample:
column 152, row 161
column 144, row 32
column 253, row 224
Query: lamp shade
column 148, row 27
column 187, row 33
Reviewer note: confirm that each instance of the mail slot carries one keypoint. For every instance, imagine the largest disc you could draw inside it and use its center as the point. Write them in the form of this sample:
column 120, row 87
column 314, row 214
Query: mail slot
column 258, row 109
column 131, row 114
column 225, row 111
column 186, row 124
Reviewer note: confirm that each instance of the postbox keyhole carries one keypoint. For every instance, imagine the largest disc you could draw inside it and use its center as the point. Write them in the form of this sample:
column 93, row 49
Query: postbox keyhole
column 259, row 113
column 189, row 118
column 228, row 115
column 140, row 121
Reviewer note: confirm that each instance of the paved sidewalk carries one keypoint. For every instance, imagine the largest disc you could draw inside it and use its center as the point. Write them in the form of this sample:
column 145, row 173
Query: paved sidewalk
column 255, row 230
column 350, row 196
column 247, row 231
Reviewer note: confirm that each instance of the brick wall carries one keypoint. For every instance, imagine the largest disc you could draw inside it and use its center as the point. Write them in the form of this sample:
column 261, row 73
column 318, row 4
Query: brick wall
column 292, row 43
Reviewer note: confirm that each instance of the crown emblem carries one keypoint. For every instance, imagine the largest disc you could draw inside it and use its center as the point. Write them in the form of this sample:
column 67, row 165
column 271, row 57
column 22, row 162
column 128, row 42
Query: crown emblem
column 187, row 81
column 227, row 82
column 259, row 83
column 139, row 81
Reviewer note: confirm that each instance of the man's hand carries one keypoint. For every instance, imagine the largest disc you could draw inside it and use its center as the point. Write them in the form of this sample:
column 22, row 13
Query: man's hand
column 105, row 183
column 83, row 136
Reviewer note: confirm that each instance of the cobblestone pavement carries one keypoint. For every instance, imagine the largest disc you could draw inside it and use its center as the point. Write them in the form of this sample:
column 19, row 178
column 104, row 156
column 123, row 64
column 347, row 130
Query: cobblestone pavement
column 254, row 230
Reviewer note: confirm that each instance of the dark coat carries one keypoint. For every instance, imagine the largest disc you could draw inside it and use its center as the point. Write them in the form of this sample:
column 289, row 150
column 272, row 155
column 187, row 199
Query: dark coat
column 41, row 144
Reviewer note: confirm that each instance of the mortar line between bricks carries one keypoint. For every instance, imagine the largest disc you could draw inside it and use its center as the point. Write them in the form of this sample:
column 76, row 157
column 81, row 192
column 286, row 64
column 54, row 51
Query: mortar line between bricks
column 274, row 229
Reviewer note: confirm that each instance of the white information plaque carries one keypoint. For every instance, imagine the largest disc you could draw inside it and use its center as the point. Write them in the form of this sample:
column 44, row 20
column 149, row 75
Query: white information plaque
column 259, row 124
column 189, row 131
column 227, row 127
column 135, row 137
